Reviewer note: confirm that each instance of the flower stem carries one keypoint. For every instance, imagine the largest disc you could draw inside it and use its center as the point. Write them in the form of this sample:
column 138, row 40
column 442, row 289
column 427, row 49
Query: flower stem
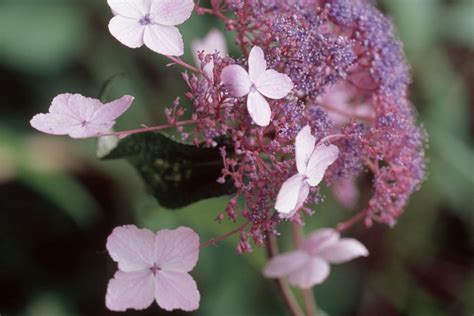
column 308, row 297
column 214, row 11
column 215, row 240
column 349, row 223
column 123, row 134
column 179, row 61
column 285, row 291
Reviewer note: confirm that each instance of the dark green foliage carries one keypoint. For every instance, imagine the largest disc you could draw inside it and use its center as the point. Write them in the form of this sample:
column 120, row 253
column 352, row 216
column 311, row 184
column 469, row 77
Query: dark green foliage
column 177, row 174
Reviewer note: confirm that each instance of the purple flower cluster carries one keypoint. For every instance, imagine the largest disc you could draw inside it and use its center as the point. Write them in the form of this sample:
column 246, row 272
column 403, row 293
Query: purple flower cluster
column 319, row 45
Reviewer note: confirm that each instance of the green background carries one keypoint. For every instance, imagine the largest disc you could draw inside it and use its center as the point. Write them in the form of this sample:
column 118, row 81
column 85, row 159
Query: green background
column 58, row 203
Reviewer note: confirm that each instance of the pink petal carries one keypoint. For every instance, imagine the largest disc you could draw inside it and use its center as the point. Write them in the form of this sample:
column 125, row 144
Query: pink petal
column 346, row 192
column 130, row 290
column 320, row 239
column 132, row 248
column 315, row 271
column 209, row 70
column 112, row 110
column 165, row 40
column 54, row 124
column 127, row 31
column 257, row 63
column 237, row 80
column 304, row 147
column 212, row 42
column 171, row 12
column 259, row 109
column 274, row 85
column 304, row 192
column 91, row 130
column 322, row 157
column 344, row 250
column 79, row 107
column 176, row 290
column 130, row 8
column 286, row 263
column 70, row 114
column 289, row 194
column 303, row 195
column 176, row 250
column 60, row 105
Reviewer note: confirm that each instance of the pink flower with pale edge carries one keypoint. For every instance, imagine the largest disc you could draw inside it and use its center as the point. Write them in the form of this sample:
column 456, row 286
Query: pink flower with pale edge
column 150, row 22
column 257, row 83
column 309, row 265
column 153, row 267
column 311, row 162
column 79, row 116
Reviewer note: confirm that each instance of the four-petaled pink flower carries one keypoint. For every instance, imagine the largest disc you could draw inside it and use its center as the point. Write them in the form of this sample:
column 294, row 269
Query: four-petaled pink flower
column 150, row 22
column 309, row 265
column 311, row 162
column 257, row 83
column 80, row 117
column 153, row 267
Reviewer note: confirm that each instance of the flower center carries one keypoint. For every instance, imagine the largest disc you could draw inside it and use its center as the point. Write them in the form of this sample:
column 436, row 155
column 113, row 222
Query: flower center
column 253, row 88
column 155, row 268
column 145, row 20
column 84, row 123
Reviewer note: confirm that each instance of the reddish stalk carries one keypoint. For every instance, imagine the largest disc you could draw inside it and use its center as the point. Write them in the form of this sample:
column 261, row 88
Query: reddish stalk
column 179, row 61
column 353, row 220
column 215, row 240
column 215, row 12
column 308, row 297
column 285, row 291
column 123, row 134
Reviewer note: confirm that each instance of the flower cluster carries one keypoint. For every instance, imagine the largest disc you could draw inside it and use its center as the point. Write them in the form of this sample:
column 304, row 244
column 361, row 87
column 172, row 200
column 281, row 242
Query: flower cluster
column 319, row 95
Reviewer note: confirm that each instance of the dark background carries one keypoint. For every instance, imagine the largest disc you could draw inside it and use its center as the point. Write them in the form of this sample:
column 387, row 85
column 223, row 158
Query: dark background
column 58, row 203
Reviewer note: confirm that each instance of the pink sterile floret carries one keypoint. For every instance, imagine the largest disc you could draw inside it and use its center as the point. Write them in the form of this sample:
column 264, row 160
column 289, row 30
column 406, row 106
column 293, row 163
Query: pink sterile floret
column 153, row 267
column 309, row 265
column 79, row 116
column 311, row 162
column 257, row 83
column 150, row 22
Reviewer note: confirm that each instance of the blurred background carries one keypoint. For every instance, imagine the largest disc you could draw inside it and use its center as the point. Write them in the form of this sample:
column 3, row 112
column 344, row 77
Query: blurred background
column 58, row 203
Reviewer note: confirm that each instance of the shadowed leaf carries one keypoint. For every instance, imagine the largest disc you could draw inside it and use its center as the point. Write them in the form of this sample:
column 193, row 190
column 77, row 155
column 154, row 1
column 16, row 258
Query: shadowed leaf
column 177, row 174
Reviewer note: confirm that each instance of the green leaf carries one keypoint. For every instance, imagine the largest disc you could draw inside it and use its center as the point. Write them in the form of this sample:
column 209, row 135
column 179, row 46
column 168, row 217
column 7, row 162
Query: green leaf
column 41, row 35
column 177, row 174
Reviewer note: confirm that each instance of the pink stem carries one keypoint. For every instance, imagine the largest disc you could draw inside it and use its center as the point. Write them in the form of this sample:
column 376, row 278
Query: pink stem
column 215, row 12
column 179, row 61
column 123, row 134
column 308, row 297
column 353, row 220
column 215, row 240
column 285, row 291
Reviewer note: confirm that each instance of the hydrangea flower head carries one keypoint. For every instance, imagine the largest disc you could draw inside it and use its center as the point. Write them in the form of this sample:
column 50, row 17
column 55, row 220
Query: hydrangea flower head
column 257, row 83
column 150, row 22
column 79, row 116
column 309, row 265
column 153, row 267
